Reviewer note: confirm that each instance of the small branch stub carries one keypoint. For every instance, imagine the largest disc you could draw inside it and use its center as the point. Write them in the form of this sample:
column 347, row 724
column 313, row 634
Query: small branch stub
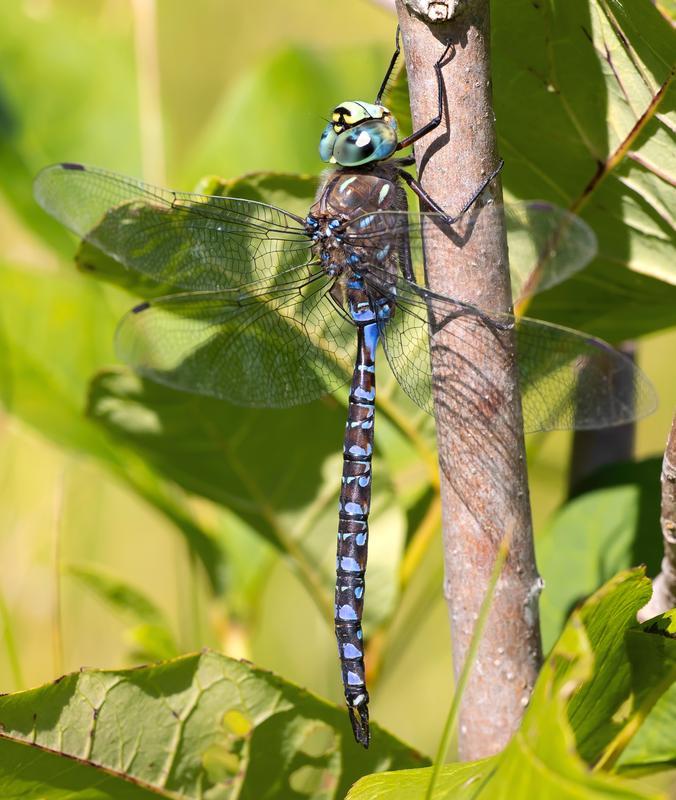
column 664, row 585
column 436, row 10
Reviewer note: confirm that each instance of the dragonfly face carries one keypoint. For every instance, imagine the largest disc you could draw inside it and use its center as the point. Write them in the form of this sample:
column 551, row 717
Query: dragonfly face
column 359, row 133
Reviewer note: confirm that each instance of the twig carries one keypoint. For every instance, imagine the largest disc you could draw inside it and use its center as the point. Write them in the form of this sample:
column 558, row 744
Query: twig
column 664, row 585
column 479, row 425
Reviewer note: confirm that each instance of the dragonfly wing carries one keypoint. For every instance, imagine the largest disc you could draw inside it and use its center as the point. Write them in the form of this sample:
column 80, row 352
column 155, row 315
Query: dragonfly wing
column 264, row 348
column 547, row 244
column 567, row 379
column 573, row 381
column 191, row 241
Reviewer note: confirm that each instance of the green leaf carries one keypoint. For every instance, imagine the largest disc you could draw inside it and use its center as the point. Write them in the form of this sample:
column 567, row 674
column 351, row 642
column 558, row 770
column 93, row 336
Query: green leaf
column 202, row 726
column 28, row 772
column 655, row 742
column 612, row 525
column 609, row 617
column 568, row 703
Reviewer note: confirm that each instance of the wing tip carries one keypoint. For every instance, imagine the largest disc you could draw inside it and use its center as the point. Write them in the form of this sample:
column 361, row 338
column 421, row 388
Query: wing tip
column 42, row 180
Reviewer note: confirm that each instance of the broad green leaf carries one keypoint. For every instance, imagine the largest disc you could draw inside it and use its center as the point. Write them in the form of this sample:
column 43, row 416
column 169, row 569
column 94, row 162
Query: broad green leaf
column 541, row 759
column 202, row 726
column 29, row 772
column 655, row 742
column 584, row 104
column 609, row 617
column 612, row 525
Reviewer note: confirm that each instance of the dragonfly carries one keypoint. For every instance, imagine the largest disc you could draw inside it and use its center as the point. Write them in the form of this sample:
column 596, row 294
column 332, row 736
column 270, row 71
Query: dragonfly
column 267, row 308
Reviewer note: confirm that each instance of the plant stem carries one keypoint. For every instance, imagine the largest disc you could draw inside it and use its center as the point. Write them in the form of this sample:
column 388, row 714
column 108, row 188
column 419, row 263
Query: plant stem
column 664, row 585
column 148, row 80
column 10, row 645
column 478, row 410
column 57, row 527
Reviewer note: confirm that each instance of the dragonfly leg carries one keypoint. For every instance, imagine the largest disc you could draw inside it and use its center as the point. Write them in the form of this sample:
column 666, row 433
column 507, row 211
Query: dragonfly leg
column 436, row 121
column 404, row 161
column 434, row 206
column 390, row 69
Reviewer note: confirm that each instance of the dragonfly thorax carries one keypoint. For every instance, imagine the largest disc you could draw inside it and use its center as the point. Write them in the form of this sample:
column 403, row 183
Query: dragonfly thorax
column 329, row 245
column 359, row 133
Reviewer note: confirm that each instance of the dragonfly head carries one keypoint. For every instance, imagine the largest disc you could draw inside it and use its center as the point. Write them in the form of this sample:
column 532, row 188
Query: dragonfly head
column 359, row 133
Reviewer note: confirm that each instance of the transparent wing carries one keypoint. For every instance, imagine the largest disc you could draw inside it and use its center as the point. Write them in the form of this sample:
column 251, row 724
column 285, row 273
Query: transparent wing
column 187, row 240
column 273, row 347
column 567, row 379
column 546, row 243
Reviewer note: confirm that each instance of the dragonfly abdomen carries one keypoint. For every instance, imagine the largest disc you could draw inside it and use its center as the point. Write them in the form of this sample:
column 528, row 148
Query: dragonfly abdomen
column 353, row 511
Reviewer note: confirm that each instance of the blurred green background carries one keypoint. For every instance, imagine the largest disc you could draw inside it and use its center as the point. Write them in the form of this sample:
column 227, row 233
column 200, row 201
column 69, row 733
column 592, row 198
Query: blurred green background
column 173, row 93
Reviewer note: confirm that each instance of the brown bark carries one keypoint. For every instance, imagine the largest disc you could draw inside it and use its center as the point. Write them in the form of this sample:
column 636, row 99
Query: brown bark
column 479, row 426
column 664, row 585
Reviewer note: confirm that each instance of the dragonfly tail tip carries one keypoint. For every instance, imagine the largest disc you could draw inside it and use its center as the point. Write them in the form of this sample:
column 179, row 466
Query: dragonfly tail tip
column 359, row 717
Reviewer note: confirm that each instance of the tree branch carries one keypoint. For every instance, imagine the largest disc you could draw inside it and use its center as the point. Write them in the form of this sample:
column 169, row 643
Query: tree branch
column 478, row 410
column 664, row 585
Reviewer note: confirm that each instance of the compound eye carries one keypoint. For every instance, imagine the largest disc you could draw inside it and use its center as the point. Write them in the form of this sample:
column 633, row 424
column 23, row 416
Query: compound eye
column 370, row 141
column 327, row 142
